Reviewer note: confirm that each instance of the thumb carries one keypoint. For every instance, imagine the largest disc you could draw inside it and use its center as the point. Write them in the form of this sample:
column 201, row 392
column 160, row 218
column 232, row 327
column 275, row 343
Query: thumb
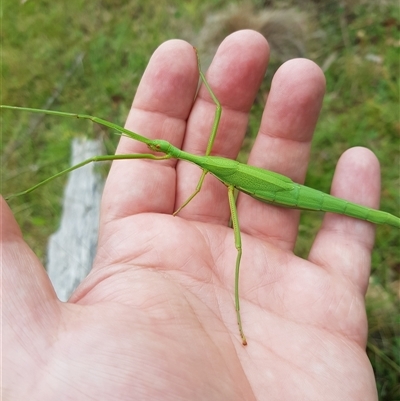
column 28, row 295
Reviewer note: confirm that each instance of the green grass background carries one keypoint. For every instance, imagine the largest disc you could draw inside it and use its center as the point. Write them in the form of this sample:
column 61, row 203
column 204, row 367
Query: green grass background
column 88, row 57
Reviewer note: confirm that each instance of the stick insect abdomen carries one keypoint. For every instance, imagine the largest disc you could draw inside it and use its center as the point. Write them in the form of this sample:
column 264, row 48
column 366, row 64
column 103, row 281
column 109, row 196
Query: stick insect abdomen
column 312, row 199
column 270, row 187
column 302, row 197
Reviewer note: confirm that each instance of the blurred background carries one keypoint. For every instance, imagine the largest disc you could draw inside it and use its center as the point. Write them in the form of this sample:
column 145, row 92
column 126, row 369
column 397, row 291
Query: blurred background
column 88, row 57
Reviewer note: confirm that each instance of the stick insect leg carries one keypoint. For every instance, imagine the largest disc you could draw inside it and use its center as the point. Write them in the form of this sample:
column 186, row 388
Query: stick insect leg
column 97, row 120
column 218, row 109
column 238, row 245
column 197, row 190
column 213, row 134
column 87, row 161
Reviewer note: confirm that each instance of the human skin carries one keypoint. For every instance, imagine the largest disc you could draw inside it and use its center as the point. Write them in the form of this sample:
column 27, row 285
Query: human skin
column 155, row 318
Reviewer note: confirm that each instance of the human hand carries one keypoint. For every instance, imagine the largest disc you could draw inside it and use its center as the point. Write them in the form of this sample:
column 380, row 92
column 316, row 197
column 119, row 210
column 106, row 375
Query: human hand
column 155, row 318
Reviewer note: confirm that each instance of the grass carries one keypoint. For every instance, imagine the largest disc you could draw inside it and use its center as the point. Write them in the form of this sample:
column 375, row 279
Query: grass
column 88, row 57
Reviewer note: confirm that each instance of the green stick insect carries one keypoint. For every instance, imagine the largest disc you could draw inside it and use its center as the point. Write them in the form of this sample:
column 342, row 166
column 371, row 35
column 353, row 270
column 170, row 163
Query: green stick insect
column 263, row 185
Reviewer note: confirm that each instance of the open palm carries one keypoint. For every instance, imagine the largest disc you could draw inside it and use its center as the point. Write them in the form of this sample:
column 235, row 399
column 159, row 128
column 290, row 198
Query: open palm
column 155, row 318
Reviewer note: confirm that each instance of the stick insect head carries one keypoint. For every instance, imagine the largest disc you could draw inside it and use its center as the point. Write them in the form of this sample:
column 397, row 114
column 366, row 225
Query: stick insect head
column 159, row 145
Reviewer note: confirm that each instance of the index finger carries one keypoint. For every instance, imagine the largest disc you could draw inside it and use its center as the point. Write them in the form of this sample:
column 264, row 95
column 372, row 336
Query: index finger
column 160, row 109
